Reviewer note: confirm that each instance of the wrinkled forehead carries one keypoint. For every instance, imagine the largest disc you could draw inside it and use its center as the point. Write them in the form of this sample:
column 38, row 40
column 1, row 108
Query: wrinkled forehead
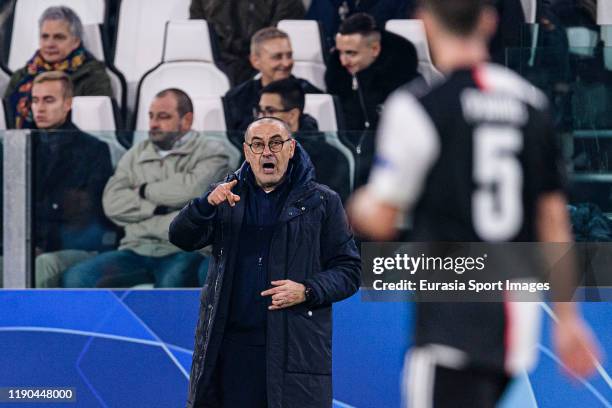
column 266, row 131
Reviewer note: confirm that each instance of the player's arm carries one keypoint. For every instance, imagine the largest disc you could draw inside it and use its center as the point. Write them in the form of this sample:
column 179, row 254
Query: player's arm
column 407, row 146
column 574, row 342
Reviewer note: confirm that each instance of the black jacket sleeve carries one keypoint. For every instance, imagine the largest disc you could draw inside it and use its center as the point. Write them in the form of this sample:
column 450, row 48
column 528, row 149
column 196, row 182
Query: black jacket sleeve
column 341, row 265
column 193, row 227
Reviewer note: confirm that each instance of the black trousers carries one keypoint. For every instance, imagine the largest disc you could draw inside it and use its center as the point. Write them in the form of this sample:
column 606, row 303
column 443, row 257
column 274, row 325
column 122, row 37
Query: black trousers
column 239, row 380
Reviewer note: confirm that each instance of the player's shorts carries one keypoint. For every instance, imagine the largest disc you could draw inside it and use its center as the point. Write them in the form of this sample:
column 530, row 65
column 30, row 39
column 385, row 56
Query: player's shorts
column 437, row 376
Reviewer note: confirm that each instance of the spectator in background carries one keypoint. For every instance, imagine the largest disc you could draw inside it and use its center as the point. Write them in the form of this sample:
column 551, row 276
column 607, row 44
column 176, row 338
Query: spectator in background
column 284, row 100
column 331, row 13
column 367, row 65
column 272, row 56
column 572, row 13
column 60, row 49
column 71, row 169
column 153, row 180
column 235, row 22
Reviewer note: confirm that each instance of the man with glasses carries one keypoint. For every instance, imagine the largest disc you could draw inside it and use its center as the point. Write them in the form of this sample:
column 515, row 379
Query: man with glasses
column 285, row 100
column 282, row 254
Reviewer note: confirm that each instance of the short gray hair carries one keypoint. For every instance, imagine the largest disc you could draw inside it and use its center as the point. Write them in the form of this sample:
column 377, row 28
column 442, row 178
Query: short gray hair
column 66, row 14
column 268, row 119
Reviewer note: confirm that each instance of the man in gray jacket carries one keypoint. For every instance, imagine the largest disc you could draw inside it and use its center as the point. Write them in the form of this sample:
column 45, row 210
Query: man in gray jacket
column 153, row 180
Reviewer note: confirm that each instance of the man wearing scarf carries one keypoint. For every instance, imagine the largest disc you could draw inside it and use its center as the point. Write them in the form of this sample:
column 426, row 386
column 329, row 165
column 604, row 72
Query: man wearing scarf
column 60, row 49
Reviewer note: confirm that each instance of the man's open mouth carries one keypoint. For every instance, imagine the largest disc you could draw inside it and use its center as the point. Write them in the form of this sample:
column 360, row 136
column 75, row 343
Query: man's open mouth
column 268, row 168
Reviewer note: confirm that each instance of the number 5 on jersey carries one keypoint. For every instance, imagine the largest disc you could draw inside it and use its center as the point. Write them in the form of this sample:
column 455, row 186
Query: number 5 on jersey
column 497, row 211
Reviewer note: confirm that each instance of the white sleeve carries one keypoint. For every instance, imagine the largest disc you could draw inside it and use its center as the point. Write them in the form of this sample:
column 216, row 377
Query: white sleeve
column 407, row 145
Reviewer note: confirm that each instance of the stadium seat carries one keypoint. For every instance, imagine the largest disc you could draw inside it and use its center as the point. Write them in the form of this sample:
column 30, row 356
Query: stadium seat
column 414, row 31
column 95, row 115
column 307, row 46
column 140, row 37
column 24, row 39
column 208, row 114
column 209, row 117
column 92, row 41
column 322, row 108
column 582, row 41
column 5, row 78
column 186, row 64
column 604, row 19
column 530, row 10
column 2, row 116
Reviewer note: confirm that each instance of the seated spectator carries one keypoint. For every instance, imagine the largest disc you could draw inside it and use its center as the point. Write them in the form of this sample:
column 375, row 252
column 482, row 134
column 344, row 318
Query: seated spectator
column 154, row 180
column 60, row 49
column 70, row 170
column 331, row 13
column 271, row 55
column 284, row 100
column 235, row 22
column 367, row 65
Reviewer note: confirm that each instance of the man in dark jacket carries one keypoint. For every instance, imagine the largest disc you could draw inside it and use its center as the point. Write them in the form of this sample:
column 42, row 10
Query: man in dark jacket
column 285, row 100
column 235, row 22
column 272, row 56
column 282, row 254
column 71, row 169
column 367, row 65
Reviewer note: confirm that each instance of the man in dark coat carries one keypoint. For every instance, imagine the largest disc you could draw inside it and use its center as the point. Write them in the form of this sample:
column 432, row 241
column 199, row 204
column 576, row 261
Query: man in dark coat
column 71, row 169
column 282, row 254
column 272, row 56
column 367, row 65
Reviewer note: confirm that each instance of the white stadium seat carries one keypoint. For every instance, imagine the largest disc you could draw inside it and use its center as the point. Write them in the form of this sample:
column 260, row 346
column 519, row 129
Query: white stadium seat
column 94, row 115
column 2, row 116
column 4, row 81
column 322, row 108
column 414, row 31
column 208, row 114
column 604, row 19
column 187, row 65
column 140, row 37
column 307, row 48
column 530, row 10
column 92, row 41
column 582, row 41
column 24, row 40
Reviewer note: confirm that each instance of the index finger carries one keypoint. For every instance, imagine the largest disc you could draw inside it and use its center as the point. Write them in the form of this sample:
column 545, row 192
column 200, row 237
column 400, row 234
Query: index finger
column 270, row 291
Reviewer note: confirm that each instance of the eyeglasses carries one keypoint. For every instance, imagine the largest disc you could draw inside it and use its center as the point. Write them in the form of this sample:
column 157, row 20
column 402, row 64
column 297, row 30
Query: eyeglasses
column 267, row 111
column 275, row 146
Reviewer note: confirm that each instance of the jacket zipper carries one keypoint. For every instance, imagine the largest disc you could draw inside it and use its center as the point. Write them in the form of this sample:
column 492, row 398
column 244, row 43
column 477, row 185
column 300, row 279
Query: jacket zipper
column 357, row 88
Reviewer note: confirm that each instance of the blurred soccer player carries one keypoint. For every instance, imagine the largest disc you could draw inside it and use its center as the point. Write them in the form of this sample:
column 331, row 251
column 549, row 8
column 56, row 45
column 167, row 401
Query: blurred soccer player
column 474, row 159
